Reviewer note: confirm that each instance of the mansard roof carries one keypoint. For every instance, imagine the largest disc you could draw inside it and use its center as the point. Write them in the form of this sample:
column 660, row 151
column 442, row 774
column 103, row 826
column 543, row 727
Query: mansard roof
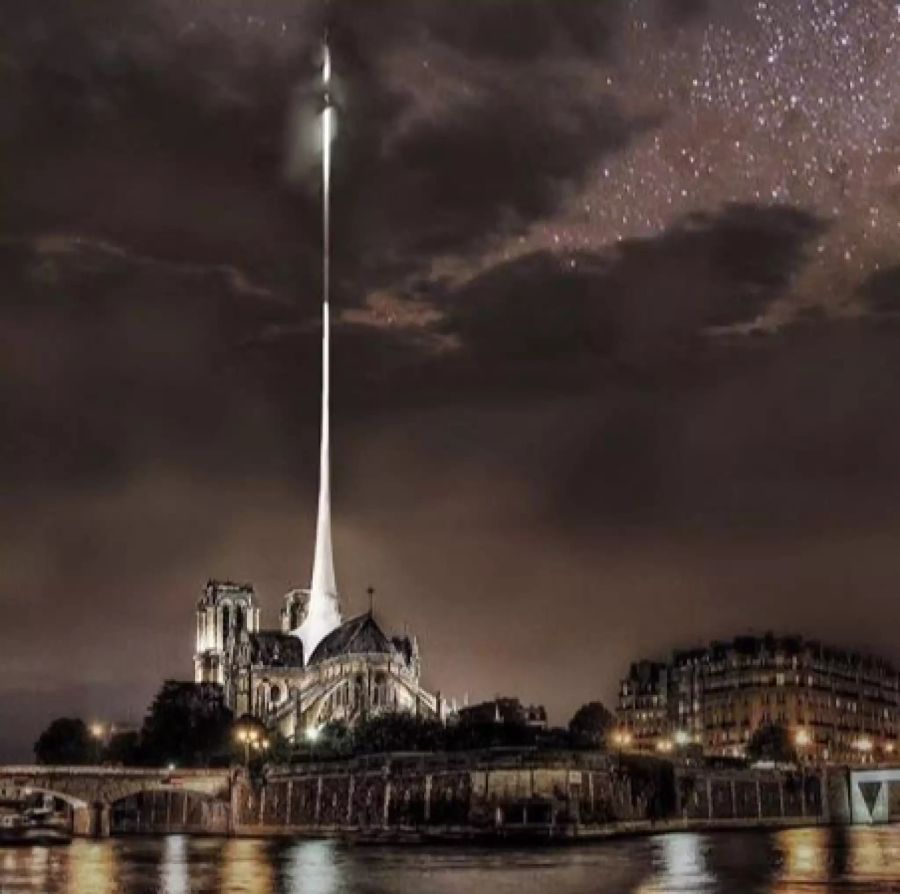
column 358, row 636
column 274, row 649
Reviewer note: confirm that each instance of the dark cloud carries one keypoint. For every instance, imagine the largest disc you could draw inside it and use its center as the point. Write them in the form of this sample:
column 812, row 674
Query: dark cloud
column 127, row 124
column 515, row 31
column 421, row 177
column 545, row 320
column 137, row 124
column 493, row 168
column 881, row 292
column 680, row 12
column 101, row 380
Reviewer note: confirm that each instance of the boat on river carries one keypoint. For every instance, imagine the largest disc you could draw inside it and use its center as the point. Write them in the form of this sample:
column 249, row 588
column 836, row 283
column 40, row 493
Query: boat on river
column 34, row 822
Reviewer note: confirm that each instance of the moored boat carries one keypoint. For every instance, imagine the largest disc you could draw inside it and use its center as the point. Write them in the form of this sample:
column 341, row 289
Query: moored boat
column 32, row 824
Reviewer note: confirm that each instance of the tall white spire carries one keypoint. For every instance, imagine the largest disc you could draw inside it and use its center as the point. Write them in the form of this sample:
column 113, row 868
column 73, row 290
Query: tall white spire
column 324, row 612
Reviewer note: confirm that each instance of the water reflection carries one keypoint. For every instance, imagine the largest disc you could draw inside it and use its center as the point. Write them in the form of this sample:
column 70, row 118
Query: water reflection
column 875, row 856
column 248, row 866
column 863, row 858
column 860, row 859
column 311, row 867
column 174, row 873
column 679, row 864
column 805, row 858
column 87, row 866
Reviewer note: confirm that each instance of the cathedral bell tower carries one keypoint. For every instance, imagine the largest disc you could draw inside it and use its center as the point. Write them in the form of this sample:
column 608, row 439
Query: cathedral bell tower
column 223, row 611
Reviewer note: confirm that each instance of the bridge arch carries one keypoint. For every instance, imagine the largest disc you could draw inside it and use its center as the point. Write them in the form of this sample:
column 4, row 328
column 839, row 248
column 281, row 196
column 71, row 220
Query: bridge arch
column 91, row 792
column 73, row 801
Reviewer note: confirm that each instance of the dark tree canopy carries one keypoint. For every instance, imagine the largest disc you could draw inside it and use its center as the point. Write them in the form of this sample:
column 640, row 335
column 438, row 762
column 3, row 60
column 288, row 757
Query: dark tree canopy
column 771, row 742
column 124, row 749
column 188, row 725
column 397, row 732
column 405, row 732
column 66, row 740
column 590, row 725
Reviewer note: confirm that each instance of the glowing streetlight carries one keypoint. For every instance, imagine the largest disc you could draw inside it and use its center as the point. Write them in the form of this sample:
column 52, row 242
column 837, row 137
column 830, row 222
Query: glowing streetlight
column 682, row 738
column 250, row 734
column 802, row 738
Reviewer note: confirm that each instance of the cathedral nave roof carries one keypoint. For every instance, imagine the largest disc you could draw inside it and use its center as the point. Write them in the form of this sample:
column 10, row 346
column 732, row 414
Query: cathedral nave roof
column 358, row 636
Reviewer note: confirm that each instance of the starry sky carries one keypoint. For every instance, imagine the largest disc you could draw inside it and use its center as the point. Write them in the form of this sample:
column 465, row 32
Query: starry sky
column 616, row 291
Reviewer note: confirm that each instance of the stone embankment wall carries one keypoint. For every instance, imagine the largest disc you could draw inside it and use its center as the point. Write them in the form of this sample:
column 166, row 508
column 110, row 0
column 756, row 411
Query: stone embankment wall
column 170, row 812
column 452, row 796
column 750, row 795
column 490, row 795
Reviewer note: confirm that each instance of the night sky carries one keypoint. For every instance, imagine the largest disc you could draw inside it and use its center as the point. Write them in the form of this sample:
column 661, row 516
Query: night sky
column 616, row 354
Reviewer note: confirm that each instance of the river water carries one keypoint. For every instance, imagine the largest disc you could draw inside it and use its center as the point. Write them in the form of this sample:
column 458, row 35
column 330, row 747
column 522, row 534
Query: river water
column 859, row 859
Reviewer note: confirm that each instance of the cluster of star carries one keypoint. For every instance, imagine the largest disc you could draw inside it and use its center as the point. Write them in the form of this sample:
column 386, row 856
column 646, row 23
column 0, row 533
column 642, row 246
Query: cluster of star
column 791, row 102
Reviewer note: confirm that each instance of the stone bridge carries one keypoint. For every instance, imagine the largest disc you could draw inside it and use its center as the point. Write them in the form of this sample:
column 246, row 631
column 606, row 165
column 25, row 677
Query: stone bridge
column 133, row 799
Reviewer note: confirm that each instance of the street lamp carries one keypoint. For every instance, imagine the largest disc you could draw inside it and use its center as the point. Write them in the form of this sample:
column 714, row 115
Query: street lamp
column 250, row 734
column 802, row 740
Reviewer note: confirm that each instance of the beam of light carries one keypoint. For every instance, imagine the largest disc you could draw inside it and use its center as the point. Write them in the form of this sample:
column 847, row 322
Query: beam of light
column 326, row 67
column 324, row 611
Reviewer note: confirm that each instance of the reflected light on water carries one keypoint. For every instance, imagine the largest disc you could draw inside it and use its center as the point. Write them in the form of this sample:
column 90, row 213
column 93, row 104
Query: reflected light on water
column 311, row 867
column 830, row 858
column 38, row 867
column 874, row 854
column 798, row 861
column 173, row 868
column 93, row 866
column 680, row 865
column 247, row 867
column 804, row 856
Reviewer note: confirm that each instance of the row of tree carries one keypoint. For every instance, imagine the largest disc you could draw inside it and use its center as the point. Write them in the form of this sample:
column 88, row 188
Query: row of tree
column 404, row 732
column 189, row 725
